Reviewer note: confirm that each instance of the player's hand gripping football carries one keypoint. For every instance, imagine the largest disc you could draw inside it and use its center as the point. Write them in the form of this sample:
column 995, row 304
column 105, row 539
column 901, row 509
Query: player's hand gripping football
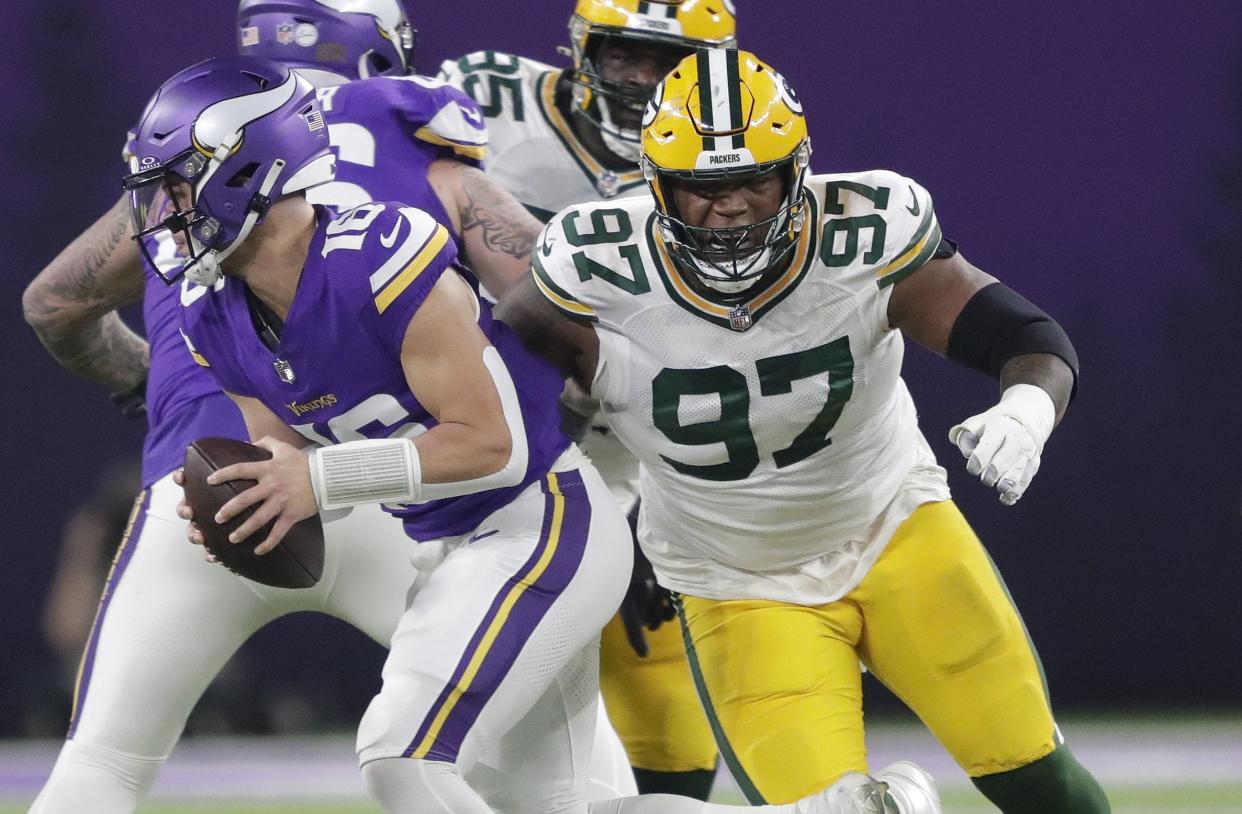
column 1002, row 445
column 282, row 492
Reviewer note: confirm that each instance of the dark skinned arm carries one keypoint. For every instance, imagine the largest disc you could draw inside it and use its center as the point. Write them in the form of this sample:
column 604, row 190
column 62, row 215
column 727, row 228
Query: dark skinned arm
column 925, row 305
column 569, row 345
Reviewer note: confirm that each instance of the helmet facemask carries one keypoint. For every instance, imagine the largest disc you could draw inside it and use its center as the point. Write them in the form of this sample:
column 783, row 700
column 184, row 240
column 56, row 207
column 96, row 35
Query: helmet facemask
column 375, row 63
column 730, row 262
column 186, row 238
column 615, row 107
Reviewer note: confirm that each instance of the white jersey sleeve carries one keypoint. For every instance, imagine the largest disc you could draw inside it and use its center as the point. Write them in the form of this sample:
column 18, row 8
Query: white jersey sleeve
column 535, row 150
column 878, row 227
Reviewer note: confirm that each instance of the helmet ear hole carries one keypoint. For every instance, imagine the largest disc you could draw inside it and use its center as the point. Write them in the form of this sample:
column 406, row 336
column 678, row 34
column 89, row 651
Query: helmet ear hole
column 243, row 176
column 378, row 63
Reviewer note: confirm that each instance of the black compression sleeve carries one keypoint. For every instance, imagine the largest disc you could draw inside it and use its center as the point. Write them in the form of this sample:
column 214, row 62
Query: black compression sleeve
column 998, row 324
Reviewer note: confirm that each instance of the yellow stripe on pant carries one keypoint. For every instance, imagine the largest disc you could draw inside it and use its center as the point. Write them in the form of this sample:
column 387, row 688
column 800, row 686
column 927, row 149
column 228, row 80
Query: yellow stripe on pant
column 932, row 620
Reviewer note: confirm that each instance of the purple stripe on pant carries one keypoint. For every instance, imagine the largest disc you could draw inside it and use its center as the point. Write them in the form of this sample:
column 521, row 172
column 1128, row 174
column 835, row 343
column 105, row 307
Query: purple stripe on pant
column 527, row 612
column 137, row 519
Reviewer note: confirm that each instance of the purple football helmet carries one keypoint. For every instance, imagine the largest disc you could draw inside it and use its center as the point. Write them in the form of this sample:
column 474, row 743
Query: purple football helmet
column 217, row 145
column 329, row 41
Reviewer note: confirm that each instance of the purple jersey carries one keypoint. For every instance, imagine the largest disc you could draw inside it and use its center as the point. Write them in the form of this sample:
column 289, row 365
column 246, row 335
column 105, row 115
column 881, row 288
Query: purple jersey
column 386, row 131
column 336, row 374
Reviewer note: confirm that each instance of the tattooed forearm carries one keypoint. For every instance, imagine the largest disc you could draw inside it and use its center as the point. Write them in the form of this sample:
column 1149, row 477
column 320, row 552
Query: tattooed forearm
column 504, row 223
column 71, row 304
column 105, row 351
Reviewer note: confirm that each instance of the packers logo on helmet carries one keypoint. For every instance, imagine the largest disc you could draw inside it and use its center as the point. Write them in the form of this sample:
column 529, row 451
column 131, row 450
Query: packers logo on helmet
column 724, row 116
column 675, row 26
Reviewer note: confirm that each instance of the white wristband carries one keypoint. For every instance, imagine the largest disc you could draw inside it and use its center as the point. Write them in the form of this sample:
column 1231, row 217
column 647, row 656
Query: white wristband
column 385, row 470
column 1031, row 407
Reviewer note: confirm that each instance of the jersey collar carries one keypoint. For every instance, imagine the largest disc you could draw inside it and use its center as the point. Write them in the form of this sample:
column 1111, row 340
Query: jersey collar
column 763, row 302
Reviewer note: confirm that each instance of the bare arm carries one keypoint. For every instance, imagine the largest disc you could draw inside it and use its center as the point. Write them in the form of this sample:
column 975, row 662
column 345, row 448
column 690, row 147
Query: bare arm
column 72, row 304
column 442, row 356
column 496, row 230
column 262, row 423
column 925, row 305
column 571, row 346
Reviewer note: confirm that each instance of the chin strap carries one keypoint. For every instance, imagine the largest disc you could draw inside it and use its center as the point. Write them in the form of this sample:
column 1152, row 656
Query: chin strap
column 206, row 269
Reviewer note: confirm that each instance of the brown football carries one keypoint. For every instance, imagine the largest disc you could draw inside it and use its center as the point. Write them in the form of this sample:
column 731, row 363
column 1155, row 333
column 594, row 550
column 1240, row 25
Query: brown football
column 296, row 562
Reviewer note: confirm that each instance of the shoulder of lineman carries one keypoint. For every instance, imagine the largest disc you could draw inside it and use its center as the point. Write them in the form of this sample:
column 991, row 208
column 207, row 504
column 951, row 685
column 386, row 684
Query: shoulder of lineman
column 595, row 257
column 875, row 225
column 503, row 85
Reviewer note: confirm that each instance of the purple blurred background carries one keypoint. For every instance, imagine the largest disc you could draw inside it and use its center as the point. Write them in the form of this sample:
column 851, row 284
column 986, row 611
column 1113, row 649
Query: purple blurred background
column 1089, row 154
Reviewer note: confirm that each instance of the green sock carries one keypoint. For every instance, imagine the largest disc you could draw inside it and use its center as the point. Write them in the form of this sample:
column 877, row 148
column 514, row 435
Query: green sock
column 696, row 784
column 1057, row 783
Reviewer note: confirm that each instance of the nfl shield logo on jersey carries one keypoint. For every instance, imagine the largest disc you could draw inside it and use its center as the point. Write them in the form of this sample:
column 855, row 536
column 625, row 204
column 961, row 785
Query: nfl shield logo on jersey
column 284, row 370
column 739, row 318
column 608, row 184
column 284, row 33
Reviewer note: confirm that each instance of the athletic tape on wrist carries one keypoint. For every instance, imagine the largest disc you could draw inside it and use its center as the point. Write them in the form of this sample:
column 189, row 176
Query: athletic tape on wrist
column 385, row 470
column 1031, row 407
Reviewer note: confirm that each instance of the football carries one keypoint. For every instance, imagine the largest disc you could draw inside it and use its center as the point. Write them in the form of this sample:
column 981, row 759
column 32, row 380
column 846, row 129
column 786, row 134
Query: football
column 296, row 562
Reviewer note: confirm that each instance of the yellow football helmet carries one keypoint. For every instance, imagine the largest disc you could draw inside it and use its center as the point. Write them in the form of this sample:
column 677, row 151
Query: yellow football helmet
column 724, row 116
column 680, row 26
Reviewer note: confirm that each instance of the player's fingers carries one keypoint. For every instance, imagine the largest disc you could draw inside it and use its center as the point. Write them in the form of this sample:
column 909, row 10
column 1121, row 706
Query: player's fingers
column 1023, row 479
column 279, row 530
column 249, row 470
column 965, row 435
column 1001, row 461
column 633, row 628
column 184, row 511
column 1012, row 474
column 179, row 476
column 963, row 438
column 269, row 443
column 255, row 494
column 263, row 514
column 193, row 534
column 989, row 443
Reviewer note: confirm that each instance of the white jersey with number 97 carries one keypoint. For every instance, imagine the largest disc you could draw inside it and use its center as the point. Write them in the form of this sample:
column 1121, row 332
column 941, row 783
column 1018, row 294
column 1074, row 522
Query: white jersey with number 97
column 779, row 446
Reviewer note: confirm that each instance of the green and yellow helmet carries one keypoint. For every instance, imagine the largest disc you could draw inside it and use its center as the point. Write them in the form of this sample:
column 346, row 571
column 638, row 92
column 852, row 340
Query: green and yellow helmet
column 724, row 115
column 679, row 25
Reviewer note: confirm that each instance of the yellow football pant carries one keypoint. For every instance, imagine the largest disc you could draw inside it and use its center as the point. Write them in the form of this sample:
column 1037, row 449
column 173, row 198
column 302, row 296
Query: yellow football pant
column 932, row 620
column 652, row 701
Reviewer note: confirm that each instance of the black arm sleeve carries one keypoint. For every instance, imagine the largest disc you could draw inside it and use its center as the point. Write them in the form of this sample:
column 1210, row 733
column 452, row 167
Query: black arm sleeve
column 998, row 324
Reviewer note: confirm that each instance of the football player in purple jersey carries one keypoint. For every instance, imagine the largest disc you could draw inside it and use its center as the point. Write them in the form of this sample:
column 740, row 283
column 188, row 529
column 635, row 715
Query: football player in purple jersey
column 167, row 622
column 357, row 333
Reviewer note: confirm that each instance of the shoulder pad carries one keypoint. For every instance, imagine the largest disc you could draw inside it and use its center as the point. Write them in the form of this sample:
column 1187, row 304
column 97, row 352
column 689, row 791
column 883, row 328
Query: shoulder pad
column 590, row 256
column 395, row 244
column 878, row 221
column 500, row 83
column 437, row 112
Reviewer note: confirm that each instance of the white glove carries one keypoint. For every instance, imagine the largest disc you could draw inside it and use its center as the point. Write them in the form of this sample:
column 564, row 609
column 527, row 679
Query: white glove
column 1002, row 445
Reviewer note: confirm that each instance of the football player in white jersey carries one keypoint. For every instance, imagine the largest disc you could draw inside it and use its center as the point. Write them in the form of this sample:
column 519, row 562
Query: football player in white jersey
column 743, row 328
column 559, row 136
